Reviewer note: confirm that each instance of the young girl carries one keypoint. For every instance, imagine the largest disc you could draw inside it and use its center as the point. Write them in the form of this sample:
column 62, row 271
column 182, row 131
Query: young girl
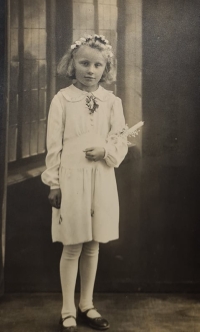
column 80, row 162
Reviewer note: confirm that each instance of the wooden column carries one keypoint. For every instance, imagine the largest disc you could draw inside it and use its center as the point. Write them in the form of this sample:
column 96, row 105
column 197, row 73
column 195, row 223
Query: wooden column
column 3, row 140
column 51, row 46
column 133, row 64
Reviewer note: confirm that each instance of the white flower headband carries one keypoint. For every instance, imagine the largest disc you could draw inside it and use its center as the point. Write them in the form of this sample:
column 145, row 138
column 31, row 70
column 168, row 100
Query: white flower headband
column 87, row 38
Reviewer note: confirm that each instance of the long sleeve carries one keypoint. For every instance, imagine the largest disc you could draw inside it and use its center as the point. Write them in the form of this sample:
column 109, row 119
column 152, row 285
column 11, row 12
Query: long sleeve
column 55, row 130
column 116, row 147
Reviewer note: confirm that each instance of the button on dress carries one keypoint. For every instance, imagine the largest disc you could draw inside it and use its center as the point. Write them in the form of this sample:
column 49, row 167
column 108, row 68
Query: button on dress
column 89, row 205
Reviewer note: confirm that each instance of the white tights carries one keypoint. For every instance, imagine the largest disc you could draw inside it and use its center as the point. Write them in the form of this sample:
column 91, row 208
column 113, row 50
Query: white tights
column 88, row 253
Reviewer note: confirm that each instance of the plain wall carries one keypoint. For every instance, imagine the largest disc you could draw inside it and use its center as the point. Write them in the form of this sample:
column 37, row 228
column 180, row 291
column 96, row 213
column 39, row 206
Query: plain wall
column 169, row 219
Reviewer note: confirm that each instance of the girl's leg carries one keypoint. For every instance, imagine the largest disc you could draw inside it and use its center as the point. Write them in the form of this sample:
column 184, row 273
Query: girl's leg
column 88, row 268
column 68, row 274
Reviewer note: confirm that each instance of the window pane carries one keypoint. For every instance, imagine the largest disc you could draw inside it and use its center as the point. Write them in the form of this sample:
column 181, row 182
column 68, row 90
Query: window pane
column 34, row 74
column 14, row 19
column 14, row 75
column 27, row 14
column 42, row 13
column 14, row 49
column 13, row 108
column 34, row 138
column 42, row 136
column 35, row 14
column 113, row 2
column 28, row 44
column 86, row 1
column 83, row 18
column 34, row 105
column 27, row 75
column 42, row 104
column 25, row 140
column 12, row 143
column 26, row 111
column 113, row 18
column 35, row 43
column 42, row 73
column 42, row 44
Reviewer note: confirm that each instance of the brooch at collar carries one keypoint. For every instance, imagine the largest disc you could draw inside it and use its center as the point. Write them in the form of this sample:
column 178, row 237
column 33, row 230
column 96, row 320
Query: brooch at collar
column 91, row 103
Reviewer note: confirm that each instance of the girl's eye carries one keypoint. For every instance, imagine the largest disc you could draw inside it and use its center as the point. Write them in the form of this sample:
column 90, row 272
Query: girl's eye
column 98, row 65
column 85, row 63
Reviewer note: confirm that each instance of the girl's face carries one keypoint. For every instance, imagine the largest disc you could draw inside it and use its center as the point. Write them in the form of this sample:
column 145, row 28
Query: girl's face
column 89, row 66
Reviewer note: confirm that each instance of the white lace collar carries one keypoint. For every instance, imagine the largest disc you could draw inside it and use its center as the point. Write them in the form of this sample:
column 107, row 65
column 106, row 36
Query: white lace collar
column 74, row 94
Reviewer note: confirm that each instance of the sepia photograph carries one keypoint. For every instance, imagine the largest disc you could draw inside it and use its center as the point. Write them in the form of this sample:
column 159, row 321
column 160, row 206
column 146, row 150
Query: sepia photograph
column 99, row 165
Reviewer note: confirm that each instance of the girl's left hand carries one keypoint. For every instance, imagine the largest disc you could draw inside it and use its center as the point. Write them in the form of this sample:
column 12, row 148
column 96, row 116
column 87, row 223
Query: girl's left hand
column 94, row 153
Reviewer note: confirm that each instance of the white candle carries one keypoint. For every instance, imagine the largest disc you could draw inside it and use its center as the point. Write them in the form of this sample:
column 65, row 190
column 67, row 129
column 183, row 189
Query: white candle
column 135, row 127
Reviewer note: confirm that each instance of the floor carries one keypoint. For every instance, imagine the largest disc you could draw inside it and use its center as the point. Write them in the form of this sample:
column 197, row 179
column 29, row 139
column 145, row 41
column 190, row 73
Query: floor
column 125, row 312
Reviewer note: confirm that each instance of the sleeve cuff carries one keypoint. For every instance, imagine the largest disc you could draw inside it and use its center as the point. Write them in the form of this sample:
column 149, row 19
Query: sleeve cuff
column 55, row 187
column 106, row 152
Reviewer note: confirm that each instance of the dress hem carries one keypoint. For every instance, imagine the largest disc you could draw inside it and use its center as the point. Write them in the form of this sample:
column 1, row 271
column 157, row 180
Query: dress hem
column 96, row 240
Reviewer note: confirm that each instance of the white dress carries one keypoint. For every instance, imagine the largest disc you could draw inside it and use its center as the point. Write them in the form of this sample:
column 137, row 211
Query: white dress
column 89, row 205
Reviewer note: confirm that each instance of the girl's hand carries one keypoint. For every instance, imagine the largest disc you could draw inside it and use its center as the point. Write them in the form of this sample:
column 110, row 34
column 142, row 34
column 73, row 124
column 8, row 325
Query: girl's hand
column 94, row 153
column 55, row 198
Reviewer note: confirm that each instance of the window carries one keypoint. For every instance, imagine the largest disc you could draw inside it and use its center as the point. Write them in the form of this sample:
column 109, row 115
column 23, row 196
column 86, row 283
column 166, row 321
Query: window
column 28, row 79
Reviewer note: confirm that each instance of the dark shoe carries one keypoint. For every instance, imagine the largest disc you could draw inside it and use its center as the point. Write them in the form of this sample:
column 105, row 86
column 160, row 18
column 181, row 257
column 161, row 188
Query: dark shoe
column 98, row 323
column 67, row 328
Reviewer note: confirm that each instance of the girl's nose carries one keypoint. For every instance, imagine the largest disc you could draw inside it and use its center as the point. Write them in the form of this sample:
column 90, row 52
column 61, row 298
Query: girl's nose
column 91, row 70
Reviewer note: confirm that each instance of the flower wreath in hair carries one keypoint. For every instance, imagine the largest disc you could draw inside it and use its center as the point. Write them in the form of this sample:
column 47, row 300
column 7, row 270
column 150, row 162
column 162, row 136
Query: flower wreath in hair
column 95, row 38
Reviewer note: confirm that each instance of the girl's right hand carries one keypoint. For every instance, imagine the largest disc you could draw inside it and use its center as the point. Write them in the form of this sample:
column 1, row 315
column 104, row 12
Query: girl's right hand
column 55, row 198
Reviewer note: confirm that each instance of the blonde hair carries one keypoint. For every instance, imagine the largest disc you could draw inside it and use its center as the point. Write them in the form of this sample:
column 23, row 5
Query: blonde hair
column 66, row 65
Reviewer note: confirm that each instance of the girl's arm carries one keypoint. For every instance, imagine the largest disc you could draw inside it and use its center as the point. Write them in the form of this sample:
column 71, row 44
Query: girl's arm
column 116, row 149
column 55, row 130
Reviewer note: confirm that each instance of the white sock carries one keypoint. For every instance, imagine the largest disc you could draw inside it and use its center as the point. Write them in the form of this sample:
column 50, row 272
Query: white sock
column 68, row 275
column 88, row 268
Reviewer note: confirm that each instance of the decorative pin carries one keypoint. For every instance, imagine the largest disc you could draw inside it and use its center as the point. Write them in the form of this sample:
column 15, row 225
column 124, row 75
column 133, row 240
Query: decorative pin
column 91, row 103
